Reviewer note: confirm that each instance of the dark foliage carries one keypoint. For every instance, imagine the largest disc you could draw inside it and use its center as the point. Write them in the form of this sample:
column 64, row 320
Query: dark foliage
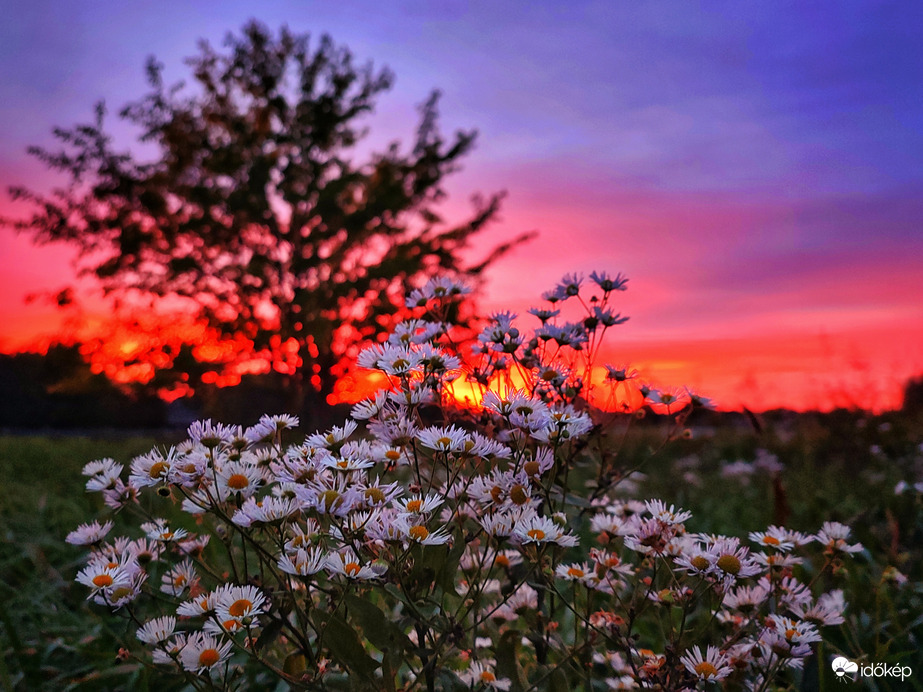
column 58, row 390
column 256, row 208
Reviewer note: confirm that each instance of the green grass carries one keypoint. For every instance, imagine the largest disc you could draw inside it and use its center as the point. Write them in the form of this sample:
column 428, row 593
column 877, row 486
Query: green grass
column 50, row 637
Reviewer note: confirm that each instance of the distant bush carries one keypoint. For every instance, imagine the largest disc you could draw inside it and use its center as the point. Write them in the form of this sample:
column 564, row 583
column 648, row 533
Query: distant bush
column 57, row 389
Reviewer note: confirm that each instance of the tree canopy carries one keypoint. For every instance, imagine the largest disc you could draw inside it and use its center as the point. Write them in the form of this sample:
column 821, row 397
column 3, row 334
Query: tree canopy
column 254, row 205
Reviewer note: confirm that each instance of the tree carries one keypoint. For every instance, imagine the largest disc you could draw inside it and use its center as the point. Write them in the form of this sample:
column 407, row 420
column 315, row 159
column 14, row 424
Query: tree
column 252, row 209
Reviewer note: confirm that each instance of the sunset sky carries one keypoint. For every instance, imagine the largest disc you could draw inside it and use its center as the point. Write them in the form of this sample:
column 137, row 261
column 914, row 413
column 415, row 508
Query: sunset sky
column 756, row 169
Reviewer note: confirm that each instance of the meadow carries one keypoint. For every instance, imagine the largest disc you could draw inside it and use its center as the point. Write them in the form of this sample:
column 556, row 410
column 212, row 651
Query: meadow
column 794, row 470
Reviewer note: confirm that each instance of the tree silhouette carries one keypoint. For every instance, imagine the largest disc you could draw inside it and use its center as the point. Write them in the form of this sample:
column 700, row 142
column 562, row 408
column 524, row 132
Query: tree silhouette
column 252, row 207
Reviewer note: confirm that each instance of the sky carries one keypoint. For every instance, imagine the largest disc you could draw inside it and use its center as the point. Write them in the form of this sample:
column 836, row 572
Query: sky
column 756, row 169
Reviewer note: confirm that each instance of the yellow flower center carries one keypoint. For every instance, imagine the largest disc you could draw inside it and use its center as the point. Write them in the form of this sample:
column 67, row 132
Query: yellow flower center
column 496, row 493
column 179, row 580
column 575, row 572
column 351, row 568
column 518, row 495
column 375, row 495
column 120, row 592
column 729, row 564
column 102, row 580
column 238, row 481
column 536, row 534
column 418, row 533
column 331, row 499
column 770, row 540
column 240, row 607
column 531, row 468
column 699, row 562
column 157, row 469
column 209, row 657
column 502, row 561
column 392, row 455
column 706, row 670
column 414, row 505
column 231, row 625
column 444, row 442
column 487, row 676
column 343, row 464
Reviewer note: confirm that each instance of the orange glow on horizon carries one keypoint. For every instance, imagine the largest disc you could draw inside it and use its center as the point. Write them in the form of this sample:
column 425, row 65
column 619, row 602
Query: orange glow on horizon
column 798, row 371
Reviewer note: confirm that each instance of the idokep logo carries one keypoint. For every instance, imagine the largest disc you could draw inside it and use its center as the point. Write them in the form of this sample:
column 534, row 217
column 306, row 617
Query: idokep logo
column 848, row 670
column 844, row 668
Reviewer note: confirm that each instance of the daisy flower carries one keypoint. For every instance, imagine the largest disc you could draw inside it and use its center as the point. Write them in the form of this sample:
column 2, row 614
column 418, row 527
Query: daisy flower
column 498, row 524
column 347, row 463
column 775, row 537
column 696, row 561
column 481, row 673
column 667, row 515
column 833, row 536
column 303, row 562
column 152, row 468
column 106, row 478
column 536, row 529
column 777, row 561
column 828, row 610
column 419, row 504
column 239, row 477
column 101, row 466
column 794, row 631
column 144, row 550
column 620, row 373
column 181, row 577
column 746, row 598
column 239, row 601
column 733, row 560
column 417, row 533
column 160, row 531
column 169, row 651
column 608, row 283
column 211, row 435
column 101, row 575
column 370, row 408
column 202, row 652
column 200, row 605
column 265, row 511
column 346, row 564
column 334, row 437
column 267, row 427
column 448, row 439
column 575, row 572
column 88, row 534
column 157, row 630
column 710, row 666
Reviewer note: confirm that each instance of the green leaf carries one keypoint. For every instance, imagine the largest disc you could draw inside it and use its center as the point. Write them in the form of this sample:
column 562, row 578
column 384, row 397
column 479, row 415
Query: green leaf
column 345, row 646
column 384, row 634
column 269, row 634
column 557, row 681
column 508, row 659
column 295, row 665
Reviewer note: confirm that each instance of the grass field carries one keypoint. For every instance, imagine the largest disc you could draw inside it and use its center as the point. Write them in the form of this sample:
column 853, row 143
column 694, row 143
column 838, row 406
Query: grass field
column 799, row 471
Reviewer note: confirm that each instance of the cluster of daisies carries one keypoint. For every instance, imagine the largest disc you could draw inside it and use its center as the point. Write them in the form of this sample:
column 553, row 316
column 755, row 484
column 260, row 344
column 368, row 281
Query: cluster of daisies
column 771, row 618
column 352, row 508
